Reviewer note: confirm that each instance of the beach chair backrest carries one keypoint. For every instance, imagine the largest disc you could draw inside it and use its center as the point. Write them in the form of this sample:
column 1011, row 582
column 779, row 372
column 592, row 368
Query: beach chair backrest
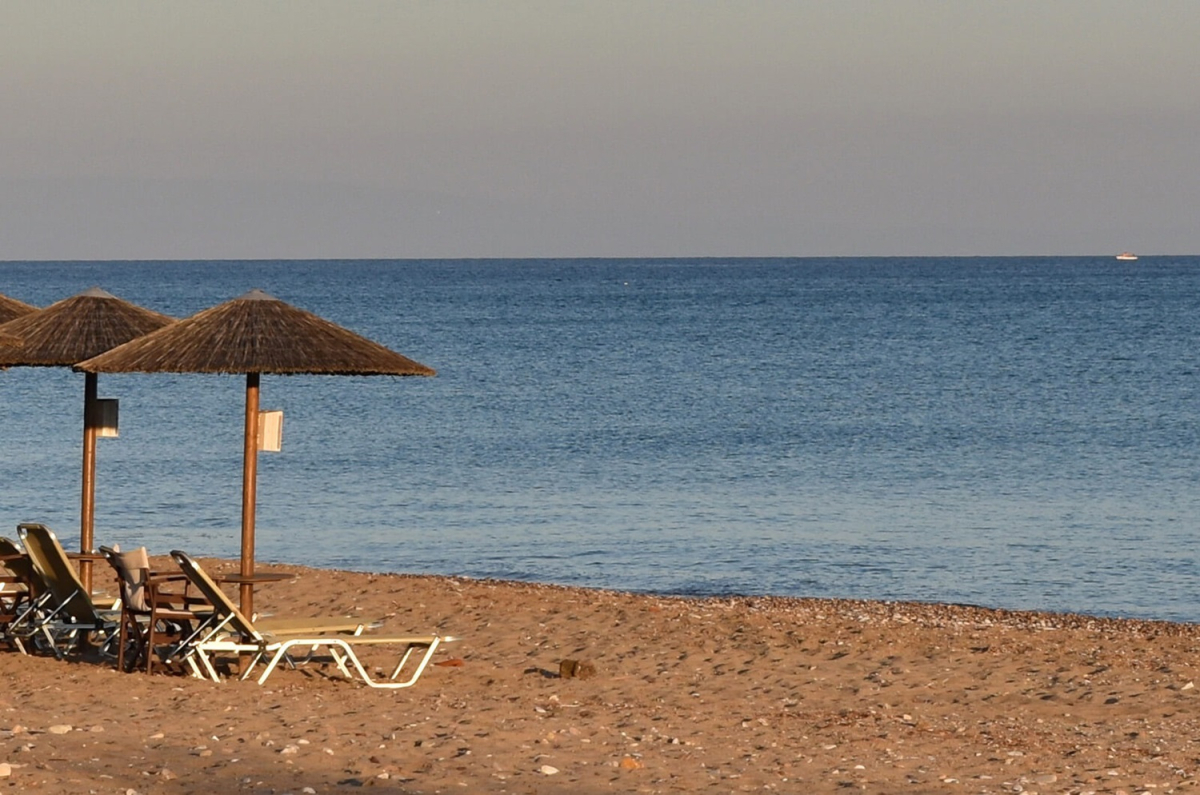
column 51, row 561
column 222, row 604
column 133, row 569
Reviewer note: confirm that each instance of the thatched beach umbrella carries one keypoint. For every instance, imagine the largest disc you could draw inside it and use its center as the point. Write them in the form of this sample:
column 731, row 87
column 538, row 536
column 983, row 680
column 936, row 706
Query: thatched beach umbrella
column 11, row 308
column 68, row 332
column 252, row 335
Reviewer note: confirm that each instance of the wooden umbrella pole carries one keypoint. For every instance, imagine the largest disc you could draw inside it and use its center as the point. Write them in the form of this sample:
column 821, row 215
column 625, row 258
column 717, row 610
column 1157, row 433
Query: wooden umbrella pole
column 249, row 488
column 87, row 507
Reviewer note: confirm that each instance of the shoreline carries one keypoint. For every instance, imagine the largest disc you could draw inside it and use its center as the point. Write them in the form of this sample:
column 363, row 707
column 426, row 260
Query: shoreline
column 669, row 594
column 689, row 694
column 1073, row 617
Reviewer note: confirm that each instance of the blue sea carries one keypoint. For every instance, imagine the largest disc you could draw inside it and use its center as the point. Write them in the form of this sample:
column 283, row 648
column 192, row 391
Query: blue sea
column 1009, row 432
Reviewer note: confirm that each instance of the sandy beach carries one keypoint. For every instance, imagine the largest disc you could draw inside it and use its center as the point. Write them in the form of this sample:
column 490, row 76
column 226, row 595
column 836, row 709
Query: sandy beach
column 688, row 695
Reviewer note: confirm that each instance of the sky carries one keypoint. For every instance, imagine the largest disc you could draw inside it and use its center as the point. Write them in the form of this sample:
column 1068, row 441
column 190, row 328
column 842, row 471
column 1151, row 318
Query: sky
column 156, row 129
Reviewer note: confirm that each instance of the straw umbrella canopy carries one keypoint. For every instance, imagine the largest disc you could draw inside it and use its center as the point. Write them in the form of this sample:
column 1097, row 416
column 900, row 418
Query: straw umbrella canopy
column 67, row 332
column 251, row 335
column 11, row 308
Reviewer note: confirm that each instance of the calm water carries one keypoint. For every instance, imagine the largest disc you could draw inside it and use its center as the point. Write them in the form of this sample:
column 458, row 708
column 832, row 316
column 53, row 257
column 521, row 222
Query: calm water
column 1008, row 432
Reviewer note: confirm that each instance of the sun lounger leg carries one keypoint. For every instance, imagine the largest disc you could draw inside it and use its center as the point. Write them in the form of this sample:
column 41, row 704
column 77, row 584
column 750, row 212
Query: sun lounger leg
column 196, row 672
column 408, row 650
column 342, row 653
column 30, row 612
column 18, row 642
column 284, row 655
column 45, row 630
column 420, row 666
column 293, row 660
column 251, row 665
column 340, row 661
column 188, row 648
column 208, row 666
column 279, row 655
column 388, row 683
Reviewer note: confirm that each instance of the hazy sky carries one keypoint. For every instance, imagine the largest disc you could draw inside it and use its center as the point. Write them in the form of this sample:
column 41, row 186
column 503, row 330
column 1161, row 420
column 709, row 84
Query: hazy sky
column 352, row 128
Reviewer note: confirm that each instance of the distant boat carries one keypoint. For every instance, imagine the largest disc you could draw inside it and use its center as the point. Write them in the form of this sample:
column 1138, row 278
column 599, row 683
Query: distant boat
column 1125, row 255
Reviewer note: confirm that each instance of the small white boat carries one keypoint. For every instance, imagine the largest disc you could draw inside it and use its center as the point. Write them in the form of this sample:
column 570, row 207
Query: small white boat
column 1126, row 255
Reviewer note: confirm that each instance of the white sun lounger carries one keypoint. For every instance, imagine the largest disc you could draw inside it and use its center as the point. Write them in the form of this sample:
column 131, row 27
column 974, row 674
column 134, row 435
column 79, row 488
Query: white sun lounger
column 230, row 632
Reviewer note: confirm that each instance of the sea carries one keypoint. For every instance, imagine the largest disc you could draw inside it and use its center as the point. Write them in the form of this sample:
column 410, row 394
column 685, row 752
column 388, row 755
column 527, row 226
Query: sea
column 1010, row 432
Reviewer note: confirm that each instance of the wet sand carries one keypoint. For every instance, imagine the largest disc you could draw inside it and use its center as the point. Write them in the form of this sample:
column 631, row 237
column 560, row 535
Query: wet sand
column 688, row 695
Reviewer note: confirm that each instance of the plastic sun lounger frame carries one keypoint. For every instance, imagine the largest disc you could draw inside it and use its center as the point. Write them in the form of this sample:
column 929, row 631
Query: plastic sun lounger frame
column 212, row 628
column 230, row 632
column 68, row 613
